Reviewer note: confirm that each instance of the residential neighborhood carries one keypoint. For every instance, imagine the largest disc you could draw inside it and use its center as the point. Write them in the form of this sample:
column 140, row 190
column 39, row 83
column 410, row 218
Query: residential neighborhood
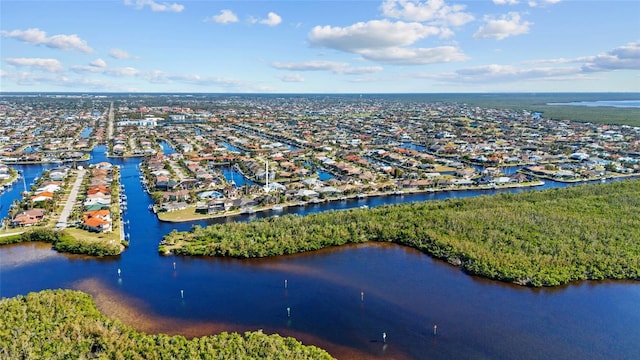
column 218, row 156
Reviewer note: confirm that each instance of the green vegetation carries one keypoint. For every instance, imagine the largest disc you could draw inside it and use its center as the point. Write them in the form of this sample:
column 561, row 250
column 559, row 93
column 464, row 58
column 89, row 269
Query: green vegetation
column 536, row 238
column 538, row 102
column 65, row 324
column 64, row 242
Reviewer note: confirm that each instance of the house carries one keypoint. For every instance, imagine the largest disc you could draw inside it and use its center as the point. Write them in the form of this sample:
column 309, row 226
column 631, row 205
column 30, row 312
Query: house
column 215, row 205
column 57, row 175
column 244, row 203
column 96, row 225
column 42, row 196
column 519, row 177
column 28, row 217
column 180, row 195
column 48, row 188
column 105, row 201
column 173, row 206
column 97, row 220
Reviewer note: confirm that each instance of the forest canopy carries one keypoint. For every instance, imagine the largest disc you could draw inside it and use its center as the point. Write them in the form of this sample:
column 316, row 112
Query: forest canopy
column 65, row 324
column 535, row 238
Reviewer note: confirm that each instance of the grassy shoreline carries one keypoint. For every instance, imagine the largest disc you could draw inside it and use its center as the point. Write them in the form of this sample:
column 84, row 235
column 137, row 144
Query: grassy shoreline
column 542, row 238
column 189, row 214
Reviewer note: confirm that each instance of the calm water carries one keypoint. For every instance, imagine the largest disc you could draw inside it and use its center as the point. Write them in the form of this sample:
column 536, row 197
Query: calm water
column 601, row 103
column 405, row 294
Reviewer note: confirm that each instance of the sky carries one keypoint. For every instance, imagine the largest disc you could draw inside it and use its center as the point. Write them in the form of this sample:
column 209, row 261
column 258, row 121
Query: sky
column 320, row 46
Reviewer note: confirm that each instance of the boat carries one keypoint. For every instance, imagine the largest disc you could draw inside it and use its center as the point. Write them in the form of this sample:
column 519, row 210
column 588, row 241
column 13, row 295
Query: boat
column 249, row 211
column 277, row 208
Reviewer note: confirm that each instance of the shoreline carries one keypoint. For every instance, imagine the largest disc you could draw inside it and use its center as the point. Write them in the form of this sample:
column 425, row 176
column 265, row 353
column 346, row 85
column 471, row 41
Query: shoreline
column 575, row 181
column 198, row 217
column 136, row 314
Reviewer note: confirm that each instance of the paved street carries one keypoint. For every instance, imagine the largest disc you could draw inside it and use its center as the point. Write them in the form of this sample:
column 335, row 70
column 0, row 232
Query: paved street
column 71, row 200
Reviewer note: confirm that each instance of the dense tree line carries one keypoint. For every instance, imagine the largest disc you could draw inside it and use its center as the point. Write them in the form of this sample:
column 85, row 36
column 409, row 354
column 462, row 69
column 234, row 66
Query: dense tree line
column 65, row 324
column 63, row 242
column 536, row 238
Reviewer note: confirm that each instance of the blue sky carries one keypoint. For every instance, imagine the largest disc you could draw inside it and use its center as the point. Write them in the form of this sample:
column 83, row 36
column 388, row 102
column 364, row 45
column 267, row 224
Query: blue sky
column 303, row 46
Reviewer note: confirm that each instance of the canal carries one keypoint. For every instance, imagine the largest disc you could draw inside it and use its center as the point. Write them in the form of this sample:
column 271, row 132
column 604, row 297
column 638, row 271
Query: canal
column 341, row 299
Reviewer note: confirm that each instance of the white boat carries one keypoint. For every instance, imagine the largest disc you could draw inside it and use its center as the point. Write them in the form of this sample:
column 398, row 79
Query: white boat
column 277, row 208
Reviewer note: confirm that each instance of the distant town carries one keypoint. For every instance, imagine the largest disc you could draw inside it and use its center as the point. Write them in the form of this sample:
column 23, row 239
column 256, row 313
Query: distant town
column 202, row 157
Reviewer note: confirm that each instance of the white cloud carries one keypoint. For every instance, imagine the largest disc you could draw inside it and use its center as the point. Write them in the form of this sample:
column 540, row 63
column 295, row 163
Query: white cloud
column 99, row 66
column 96, row 66
column 36, row 36
column 225, row 17
column 119, row 54
column 155, row 6
column 310, row 65
column 99, row 63
column 47, row 65
column 335, row 67
column 122, row 72
column 414, row 56
column 534, row 3
column 272, row 19
column 506, row 2
column 291, row 78
column 375, row 34
column 503, row 73
column 432, row 11
column 385, row 42
column 360, row 70
column 626, row 57
column 161, row 77
column 508, row 25
column 39, row 79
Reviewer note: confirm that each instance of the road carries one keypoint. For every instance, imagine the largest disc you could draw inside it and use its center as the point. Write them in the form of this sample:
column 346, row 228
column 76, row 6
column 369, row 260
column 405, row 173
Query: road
column 71, row 200
column 110, row 121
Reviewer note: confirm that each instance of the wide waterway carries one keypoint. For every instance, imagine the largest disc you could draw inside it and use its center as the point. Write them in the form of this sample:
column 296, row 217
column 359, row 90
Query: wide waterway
column 405, row 294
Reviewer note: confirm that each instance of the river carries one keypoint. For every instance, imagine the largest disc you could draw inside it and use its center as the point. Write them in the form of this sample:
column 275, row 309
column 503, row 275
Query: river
column 406, row 293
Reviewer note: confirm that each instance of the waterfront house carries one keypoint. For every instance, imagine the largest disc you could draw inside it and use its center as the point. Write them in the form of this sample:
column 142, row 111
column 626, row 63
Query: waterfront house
column 104, row 201
column 519, row 178
column 28, row 217
column 180, row 195
column 42, row 196
column 173, row 206
column 96, row 225
column 57, row 175
column 97, row 220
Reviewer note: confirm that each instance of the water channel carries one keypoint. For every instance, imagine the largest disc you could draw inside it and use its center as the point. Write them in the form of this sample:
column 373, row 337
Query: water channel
column 341, row 299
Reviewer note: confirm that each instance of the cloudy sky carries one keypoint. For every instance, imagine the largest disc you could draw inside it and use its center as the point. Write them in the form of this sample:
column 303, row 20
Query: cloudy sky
column 320, row 46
